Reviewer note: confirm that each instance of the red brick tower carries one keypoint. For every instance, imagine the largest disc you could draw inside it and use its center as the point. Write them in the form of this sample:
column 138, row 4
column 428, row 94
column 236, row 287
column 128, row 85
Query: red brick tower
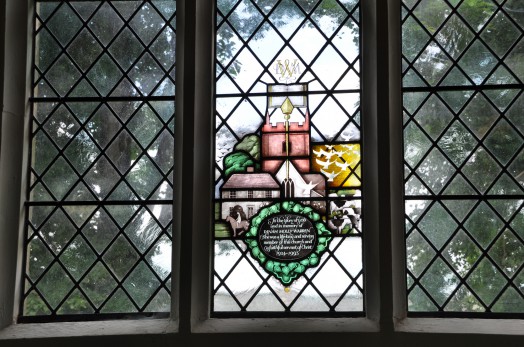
column 274, row 145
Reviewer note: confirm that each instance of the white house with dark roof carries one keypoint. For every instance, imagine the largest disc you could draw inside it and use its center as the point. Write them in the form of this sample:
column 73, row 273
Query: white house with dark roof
column 241, row 187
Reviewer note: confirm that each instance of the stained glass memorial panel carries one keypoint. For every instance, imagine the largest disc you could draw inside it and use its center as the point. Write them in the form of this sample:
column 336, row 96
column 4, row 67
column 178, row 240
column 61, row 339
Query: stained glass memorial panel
column 288, row 204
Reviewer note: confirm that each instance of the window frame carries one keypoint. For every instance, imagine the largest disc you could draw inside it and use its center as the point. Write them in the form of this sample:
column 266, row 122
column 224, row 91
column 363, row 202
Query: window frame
column 14, row 151
column 403, row 323
column 384, row 254
column 144, row 102
column 203, row 196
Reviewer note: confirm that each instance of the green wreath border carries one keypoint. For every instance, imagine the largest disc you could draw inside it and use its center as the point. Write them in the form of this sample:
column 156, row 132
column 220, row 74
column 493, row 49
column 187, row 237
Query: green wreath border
column 287, row 272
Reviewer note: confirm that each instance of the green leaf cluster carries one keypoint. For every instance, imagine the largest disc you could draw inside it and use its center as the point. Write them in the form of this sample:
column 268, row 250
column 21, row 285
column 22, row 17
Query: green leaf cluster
column 245, row 154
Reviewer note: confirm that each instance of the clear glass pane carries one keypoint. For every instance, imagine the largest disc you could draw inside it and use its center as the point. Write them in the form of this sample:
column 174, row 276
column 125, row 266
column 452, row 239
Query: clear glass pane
column 91, row 248
column 462, row 146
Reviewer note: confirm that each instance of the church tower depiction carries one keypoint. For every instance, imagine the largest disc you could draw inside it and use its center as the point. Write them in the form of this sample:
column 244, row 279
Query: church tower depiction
column 274, row 145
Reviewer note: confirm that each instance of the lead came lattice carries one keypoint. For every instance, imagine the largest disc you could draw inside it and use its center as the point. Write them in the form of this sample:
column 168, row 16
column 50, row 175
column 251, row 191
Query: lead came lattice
column 99, row 205
column 463, row 148
column 287, row 131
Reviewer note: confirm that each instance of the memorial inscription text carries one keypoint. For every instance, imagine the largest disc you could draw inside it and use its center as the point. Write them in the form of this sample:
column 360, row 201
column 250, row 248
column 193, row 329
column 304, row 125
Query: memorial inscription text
column 287, row 237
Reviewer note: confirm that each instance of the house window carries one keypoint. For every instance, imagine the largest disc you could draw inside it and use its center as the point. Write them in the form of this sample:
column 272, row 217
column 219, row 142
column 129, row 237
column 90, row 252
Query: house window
column 250, row 194
column 463, row 156
column 98, row 232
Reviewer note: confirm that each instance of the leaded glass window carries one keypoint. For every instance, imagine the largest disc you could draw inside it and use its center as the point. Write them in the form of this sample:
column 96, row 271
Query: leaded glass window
column 288, row 226
column 463, row 155
column 99, row 203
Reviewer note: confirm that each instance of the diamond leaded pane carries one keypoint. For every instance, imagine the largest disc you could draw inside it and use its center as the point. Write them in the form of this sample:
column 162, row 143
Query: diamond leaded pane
column 99, row 240
column 462, row 74
column 269, row 56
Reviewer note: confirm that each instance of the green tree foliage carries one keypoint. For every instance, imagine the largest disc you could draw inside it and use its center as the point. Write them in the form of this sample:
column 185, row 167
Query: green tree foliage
column 237, row 162
column 245, row 154
column 251, row 145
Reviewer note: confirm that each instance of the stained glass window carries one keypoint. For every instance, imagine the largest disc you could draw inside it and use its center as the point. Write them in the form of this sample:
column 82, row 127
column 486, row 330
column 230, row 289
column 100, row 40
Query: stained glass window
column 463, row 155
column 98, row 231
column 288, row 219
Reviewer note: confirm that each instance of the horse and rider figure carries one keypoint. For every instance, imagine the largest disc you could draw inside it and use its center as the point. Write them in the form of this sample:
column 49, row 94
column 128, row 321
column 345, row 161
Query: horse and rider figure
column 237, row 219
